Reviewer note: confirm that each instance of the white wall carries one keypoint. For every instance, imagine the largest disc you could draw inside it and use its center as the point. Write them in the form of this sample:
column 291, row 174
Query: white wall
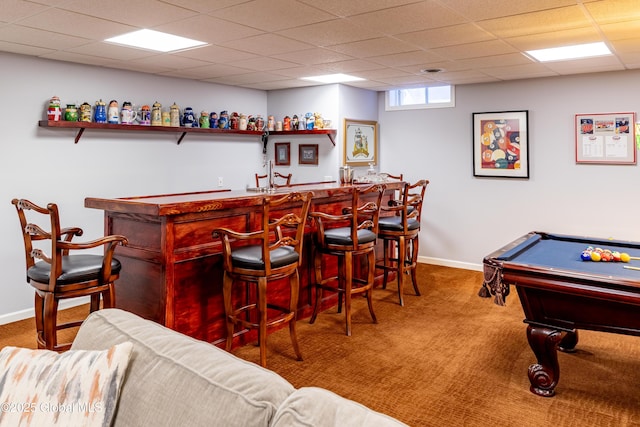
column 465, row 217
column 45, row 165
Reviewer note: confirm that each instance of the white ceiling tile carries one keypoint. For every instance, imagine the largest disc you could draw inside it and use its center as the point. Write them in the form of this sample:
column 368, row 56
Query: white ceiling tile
column 373, row 47
column 57, row 20
column 475, row 50
column 356, row 7
column 313, row 56
column 332, row 32
column 273, row 15
column 262, row 63
column 35, row 37
column 13, row 10
column 414, row 17
column 478, row 10
column 267, row 44
column 138, row 13
column 537, row 22
column 214, row 53
column 447, row 36
column 208, row 29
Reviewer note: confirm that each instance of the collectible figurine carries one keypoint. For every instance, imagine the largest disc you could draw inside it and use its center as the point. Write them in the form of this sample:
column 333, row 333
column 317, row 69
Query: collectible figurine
column 156, row 114
column 174, row 113
column 113, row 115
column 100, row 112
column 85, row 112
column 71, row 113
column 54, row 112
column 145, row 115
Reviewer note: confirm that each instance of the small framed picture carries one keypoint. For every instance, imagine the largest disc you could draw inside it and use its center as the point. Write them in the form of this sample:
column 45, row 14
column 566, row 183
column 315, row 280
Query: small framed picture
column 283, row 153
column 308, row 154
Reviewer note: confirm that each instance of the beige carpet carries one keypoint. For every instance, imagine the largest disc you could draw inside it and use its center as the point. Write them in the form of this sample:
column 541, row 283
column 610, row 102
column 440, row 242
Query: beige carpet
column 448, row 358
column 451, row 358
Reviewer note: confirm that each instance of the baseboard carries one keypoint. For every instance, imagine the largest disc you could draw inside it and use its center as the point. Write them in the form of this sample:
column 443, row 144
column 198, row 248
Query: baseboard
column 28, row 313
column 450, row 263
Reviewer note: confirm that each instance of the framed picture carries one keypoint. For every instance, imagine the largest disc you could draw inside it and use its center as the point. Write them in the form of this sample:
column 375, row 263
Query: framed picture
column 501, row 144
column 607, row 138
column 283, row 153
column 360, row 142
column 308, row 154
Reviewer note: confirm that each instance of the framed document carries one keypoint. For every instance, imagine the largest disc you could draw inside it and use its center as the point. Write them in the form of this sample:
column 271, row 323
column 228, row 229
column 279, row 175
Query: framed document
column 606, row 138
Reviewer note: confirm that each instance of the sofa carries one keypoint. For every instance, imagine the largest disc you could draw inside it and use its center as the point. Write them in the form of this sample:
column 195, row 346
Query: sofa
column 173, row 380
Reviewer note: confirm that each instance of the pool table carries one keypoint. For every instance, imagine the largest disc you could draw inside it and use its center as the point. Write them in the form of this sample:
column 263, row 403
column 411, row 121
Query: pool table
column 561, row 294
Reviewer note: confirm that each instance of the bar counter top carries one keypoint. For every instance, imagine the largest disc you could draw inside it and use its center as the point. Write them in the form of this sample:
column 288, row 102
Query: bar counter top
column 181, row 203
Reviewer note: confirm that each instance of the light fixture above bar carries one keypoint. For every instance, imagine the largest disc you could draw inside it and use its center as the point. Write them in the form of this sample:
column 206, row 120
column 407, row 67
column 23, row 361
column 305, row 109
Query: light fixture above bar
column 333, row 78
column 155, row 40
column 565, row 53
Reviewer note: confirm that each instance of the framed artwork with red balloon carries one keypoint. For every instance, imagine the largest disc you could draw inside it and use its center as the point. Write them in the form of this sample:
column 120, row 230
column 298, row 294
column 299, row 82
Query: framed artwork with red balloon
column 501, row 144
column 606, row 138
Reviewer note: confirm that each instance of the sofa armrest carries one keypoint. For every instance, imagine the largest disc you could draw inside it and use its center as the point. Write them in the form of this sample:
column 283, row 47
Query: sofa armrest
column 317, row 407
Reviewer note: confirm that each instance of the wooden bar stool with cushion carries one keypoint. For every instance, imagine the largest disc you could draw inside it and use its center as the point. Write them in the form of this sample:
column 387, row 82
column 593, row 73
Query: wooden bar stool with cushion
column 64, row 274
column 400, row 235
column 279, row 180
column 271, row 253
column 346, row 236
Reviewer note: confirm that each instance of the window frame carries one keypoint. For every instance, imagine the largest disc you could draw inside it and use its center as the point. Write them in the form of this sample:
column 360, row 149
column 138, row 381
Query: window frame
column 427, row 105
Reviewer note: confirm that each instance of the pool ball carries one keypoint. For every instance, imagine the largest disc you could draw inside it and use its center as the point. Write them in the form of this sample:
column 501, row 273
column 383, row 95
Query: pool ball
column 624, row 257
column 585, row 256
column 595, row 256
column 616, row 256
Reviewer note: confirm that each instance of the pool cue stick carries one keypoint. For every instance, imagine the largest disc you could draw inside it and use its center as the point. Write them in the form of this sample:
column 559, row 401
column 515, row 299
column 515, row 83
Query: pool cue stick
column 628, row 267
column 634, row 257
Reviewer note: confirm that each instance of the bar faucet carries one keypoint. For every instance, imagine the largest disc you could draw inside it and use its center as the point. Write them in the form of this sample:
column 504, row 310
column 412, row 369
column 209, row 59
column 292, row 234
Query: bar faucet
column 270, row 172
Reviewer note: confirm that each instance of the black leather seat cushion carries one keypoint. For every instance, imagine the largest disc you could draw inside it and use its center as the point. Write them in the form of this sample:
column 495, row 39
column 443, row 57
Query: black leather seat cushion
column 75, row 269
column 251, row 257
column 394, row 223
column 342, row 236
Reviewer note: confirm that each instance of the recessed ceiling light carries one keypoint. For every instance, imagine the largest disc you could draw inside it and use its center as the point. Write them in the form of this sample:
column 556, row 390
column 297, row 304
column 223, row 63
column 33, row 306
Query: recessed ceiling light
column 333, row 78
column 570, row 52
column 155, row 40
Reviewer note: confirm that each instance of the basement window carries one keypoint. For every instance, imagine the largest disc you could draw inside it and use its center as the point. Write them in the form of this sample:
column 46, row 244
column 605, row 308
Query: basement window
column 420, row 97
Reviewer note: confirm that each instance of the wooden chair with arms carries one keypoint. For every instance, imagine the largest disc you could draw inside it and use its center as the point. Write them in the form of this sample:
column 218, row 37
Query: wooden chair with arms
column 64, row 274
column 279, row 180
column 402, row 229
column 271, row 253
column 346, row 236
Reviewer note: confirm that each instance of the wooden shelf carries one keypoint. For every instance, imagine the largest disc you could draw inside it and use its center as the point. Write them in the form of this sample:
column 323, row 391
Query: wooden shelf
column 81, row 126
column 331, row 133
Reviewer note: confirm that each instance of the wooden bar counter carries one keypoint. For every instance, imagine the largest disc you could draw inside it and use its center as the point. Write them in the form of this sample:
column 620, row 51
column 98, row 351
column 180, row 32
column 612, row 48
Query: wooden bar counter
column 172, row 267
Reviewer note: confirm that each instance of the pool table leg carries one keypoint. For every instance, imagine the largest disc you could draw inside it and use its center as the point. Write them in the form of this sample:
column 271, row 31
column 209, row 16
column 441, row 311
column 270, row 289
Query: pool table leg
column 544, row 375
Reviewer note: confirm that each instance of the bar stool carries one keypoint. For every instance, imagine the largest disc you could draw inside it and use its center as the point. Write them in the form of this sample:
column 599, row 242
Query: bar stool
column 58, row 269
column 272, row 253
column 402, row 229
column 279, row 179
column 357, row 237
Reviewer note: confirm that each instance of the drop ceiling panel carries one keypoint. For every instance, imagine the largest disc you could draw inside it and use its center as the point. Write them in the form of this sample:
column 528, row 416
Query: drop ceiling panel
column 471, row 40
column 414, row 17
column 537, row 22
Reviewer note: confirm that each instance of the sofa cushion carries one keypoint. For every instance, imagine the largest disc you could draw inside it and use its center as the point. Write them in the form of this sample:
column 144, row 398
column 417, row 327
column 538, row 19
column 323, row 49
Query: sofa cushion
column 76, row 388
column 317, row 407
column 173, row 379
